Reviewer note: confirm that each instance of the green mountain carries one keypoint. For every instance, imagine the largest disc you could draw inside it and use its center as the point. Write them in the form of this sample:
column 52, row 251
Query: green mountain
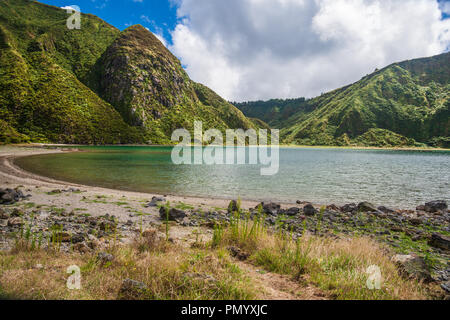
column 404, row 104
column 95, row 85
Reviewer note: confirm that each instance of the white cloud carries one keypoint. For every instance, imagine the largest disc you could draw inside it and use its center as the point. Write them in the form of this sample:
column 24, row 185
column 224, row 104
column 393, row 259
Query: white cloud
column 73, row 8
column 260, row 49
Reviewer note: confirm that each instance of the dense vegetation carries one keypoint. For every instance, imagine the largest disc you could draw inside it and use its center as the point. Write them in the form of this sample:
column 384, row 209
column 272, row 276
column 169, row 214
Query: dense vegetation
column 405, row 104
column 95, row 85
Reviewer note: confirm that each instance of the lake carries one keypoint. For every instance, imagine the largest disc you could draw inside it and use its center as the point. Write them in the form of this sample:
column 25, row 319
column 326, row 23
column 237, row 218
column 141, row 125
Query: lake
column 399, row 179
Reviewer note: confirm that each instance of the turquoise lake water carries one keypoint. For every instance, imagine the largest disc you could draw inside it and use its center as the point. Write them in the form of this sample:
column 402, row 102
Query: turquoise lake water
column 399, row 179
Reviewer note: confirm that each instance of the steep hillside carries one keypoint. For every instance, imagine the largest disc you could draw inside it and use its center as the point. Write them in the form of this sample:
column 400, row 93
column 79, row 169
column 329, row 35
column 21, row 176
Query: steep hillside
column 96, row 85
column 275, row 111
column 42, row 64
column 403, row 104
column 148, row 86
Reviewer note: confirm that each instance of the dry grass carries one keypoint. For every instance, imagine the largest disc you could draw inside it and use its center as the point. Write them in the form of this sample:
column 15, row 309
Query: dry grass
column 337, row 266
column 169, row 271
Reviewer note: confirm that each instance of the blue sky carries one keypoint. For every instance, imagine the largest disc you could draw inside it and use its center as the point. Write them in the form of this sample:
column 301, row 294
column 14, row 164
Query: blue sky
column 157, row 15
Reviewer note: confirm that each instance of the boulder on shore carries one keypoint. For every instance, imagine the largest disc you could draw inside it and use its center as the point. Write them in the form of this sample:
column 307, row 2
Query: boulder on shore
column 367, row 207
column 271, row 208
column 172, row 215
column 155, row 201
column 440, row 241
column 309, row 210
column 132, row 290
column 413, row 266
column 11, row 196
column 233, row 207
column 349, row 207
column 435, row 206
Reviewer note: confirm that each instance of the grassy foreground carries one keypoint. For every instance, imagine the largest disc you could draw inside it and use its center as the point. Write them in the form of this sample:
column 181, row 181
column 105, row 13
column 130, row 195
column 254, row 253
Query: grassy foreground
column 207, row 270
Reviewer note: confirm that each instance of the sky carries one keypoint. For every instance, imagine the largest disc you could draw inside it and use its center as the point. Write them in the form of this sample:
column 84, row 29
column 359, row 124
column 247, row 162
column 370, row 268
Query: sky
column 262, row 49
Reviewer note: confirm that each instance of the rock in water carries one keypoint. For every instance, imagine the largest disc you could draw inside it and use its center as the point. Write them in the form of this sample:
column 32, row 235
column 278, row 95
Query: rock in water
column 413, row 266
column 309, row 210
column 132, row 290
column 174, row 214
column 440, row 241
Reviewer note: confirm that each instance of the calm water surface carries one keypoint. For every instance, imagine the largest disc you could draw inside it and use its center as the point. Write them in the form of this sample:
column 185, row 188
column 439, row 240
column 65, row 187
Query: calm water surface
column 400, row 179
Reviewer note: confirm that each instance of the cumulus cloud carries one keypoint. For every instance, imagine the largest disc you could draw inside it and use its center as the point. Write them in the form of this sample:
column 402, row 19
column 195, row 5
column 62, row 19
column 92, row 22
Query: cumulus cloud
column 261, row 49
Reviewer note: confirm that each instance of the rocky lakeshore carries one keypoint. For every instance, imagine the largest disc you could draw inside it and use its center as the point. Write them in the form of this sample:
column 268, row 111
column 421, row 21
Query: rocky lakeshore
column 42, row 214
column 417, row 240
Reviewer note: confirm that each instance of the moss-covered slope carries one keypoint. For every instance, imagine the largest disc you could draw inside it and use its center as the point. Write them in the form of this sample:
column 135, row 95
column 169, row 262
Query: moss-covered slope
column 95, row 85
column 148, row 86
column 408, row 99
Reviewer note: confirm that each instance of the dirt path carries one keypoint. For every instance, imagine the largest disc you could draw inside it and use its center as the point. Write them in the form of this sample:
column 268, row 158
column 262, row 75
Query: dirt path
column 278, row 287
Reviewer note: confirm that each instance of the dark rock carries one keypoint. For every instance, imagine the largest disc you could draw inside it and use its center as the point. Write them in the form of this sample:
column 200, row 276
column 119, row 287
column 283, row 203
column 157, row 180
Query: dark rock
column 416, row 221
column 271, row 220
column 292, row 211
column 446, row 286
column 107, row 226
column 420, row 208
column 4, row 215
column 440, row 241
column 333, row 207
column 349, row 207
column 81, row 247
column 77, row 238
column 238, row 253
column 413, row 266
column 155, row 201
column 132, row 290
column 435, row 206
column 7, row 198
column 271, row 208
column 17, row 213
column 10, row 196
column 309, row 210
column 367, row 207
column 104, row 257
column 385, row 210
column 233, row 207
column 173, row 214
column 16, row 221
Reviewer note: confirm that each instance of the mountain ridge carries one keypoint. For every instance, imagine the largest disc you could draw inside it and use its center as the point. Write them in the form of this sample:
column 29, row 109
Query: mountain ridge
column 96, row 85
column 405, row 103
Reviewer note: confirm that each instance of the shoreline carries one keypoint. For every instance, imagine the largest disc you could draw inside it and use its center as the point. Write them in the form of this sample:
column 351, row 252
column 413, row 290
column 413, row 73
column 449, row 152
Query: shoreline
column 285, row 146
column 16, row 174
column 11, row 175
column 84, row 210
